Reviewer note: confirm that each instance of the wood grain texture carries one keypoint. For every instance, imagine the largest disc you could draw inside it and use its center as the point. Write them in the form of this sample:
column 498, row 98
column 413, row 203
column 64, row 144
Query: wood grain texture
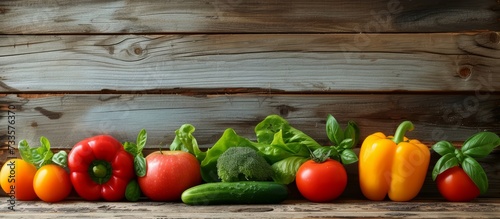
column 66, row 119
column 485, row 208
column 237, row 16
column 266, row 62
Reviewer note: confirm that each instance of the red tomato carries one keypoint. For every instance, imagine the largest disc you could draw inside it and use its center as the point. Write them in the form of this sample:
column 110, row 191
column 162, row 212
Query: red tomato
column 455, row 185
column 321, row 182
column 52, row 183
column 168, row 174
column 16, row 179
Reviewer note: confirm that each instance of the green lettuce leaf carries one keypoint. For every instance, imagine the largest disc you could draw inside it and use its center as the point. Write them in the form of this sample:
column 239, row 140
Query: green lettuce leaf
column 286, row 169
column 273, row 124
column 185, row 141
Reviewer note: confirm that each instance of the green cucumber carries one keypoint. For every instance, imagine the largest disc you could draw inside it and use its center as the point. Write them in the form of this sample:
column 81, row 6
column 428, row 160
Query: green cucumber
column 244, row 192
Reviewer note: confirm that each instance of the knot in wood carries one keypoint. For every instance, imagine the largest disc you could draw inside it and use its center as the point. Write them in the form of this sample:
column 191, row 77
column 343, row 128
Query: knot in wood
column 465, row 72
column 138, row 51
column 284, row 110
column 494, row 37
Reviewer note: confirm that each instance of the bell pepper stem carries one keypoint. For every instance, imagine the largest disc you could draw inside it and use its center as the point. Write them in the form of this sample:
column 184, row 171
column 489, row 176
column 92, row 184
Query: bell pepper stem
column 99, row 171
column 401, row 131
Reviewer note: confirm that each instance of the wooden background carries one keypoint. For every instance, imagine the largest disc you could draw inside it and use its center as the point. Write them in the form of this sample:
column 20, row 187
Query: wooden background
column 74, row 69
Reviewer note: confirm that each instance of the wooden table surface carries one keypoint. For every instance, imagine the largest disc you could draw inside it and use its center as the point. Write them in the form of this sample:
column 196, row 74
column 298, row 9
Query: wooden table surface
column 343, row 208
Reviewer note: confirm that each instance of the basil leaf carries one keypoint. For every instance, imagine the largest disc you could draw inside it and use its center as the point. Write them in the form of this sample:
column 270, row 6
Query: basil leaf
column 480, row 144
column 25, row 151
column 445, row 162
column 142, row 137
column 443, row 147
column 140, row 165
column 333, row 130
column 60, row 158
column 286, row 169
column 348, row 156
column 41, row 157
column 45, row 144
column 132, row 191
column 352, row 132
column 476, row 173
column 38, row 156
column 347, row 143
column 130, row 148
column 47, row 158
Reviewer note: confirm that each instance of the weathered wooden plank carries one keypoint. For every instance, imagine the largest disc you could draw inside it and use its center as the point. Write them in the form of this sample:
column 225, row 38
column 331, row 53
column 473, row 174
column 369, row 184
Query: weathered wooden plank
column 268, row 62
column 486, row 208
column 230, row 16
column 66, row 119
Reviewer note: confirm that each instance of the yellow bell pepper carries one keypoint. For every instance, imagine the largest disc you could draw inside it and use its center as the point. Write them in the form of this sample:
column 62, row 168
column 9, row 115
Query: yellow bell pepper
column 393, row 166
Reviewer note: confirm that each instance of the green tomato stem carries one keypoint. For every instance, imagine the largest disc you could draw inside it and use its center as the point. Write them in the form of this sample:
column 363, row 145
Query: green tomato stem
column 401, row 131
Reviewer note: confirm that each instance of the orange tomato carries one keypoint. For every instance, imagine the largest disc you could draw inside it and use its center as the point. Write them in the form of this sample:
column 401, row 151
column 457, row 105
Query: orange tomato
column 16, row 179
column 52, row 183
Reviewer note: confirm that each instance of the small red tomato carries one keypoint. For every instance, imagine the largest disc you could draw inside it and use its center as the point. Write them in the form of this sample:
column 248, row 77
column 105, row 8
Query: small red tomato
column 321, row 182
column 168, row 174
column 456, row 186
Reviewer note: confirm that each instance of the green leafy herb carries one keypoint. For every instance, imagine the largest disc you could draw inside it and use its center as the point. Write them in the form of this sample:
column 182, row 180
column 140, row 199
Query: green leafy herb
column 141, row 140
column 140, row 165
column 60, row 158
column 337, row 135
column 443, row 148
column 445, row 162
column 333, row 130
column 478, row 145
column 133, row 191
column 185, row 141
column 130, row 147
column 348, row 156
column 135, row 149
column 476, row 173
column 343, row 142
column 42, row 154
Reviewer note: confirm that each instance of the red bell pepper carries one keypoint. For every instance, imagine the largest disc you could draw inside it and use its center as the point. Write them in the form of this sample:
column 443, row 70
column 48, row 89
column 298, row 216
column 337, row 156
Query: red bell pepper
column 100, row 168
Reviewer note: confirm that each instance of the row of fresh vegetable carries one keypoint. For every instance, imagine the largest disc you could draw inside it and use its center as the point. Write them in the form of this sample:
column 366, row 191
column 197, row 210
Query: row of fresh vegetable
column 237, row 170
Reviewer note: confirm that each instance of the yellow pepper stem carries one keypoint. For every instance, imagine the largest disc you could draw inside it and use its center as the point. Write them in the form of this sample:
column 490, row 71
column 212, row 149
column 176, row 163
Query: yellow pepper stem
column 401, row 131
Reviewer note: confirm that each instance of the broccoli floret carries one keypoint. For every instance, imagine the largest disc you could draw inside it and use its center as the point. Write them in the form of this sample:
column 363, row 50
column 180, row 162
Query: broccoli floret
column 243, row 164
